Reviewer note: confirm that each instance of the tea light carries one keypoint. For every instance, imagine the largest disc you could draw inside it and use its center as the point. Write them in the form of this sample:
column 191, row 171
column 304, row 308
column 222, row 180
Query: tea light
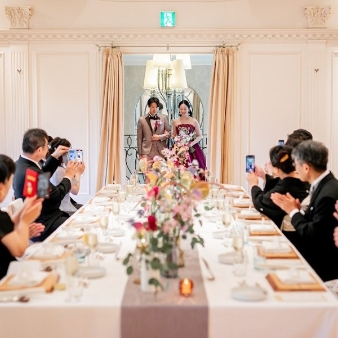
column 186, row 286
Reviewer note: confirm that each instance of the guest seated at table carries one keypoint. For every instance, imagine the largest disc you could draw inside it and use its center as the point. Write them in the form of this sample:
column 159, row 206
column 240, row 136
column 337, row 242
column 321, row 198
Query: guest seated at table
column 317, row 223
column 14, row 232
column 282, row 167
column 296, row 137
column 68, row 205
column 34, row 147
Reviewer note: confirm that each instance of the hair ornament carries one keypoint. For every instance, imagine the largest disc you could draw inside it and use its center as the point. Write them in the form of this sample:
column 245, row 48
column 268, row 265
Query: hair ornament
column 284, row 158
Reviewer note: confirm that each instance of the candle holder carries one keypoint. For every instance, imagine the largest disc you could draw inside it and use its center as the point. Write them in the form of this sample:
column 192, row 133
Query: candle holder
column 186, row 286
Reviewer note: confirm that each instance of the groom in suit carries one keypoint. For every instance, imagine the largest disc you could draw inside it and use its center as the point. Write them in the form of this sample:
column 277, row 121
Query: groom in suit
column 153, row 132
column 315, row 226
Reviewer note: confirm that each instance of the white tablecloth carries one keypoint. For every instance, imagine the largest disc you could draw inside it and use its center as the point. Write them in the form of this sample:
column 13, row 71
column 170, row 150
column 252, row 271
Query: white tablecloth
column 305, row 314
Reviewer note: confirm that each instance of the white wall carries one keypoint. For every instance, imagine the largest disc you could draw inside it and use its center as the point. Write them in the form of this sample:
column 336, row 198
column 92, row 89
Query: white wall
column 50, row 74
column 122, row 14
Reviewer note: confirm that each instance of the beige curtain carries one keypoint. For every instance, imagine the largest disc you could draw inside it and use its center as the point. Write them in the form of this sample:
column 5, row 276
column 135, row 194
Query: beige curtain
column 111, row 162
column 221, row 115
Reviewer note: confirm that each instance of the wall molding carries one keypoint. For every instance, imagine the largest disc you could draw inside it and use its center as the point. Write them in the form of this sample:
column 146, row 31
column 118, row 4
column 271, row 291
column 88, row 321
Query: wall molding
column 155, row 36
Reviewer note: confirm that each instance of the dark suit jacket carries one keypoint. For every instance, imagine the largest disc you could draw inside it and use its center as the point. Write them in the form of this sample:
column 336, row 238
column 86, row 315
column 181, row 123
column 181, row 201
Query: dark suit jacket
column 50, row 207
column 316, row 229
column 263, row 203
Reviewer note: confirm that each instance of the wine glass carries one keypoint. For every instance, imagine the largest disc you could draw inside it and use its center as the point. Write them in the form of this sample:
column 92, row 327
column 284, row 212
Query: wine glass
column 238, row 241
column 104, row 224
column 116, row 211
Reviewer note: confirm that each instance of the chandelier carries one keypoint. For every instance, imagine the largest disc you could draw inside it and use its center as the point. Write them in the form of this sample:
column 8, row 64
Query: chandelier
column 166, row 80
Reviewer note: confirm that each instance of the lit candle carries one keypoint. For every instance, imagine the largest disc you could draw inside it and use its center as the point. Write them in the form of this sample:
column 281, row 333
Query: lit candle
column 186, row 286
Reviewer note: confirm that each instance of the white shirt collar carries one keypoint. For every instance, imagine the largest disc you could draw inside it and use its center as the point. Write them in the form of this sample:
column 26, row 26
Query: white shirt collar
column 315, row 183
column 29, row 159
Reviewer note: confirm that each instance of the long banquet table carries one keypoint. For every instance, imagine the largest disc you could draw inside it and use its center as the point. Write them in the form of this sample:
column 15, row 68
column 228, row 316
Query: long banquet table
column 98, row 314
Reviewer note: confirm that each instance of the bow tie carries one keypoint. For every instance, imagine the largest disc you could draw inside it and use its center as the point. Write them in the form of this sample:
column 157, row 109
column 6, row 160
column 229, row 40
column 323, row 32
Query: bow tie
column 155, row 117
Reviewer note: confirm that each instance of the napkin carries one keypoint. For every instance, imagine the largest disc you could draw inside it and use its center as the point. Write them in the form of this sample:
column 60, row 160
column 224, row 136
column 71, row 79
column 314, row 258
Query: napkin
column 276, row 248
column 242, row 201
column 99, row 199
column 50, row 252
column 300, row 277
column 261, row 228
column 29, row 278
column 251, row 212
column 84, row 219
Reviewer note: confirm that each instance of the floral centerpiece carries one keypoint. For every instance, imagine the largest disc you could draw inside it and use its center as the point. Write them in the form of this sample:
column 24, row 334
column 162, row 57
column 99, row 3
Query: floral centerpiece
column 168, row 210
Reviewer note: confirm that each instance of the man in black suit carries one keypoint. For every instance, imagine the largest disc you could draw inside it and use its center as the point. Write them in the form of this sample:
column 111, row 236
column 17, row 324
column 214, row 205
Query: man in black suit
column 317, row 223
column 35, row 148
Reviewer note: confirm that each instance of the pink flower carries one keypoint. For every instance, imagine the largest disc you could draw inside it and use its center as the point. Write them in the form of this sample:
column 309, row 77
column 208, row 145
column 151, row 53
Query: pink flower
column 138, row 226
column 153, row 192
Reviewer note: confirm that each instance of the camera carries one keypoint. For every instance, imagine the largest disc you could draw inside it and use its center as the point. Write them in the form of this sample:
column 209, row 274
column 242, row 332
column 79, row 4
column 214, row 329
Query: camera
column 249, row 163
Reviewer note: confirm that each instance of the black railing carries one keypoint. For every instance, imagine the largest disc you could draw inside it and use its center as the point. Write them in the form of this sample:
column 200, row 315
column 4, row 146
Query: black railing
column 131, row 153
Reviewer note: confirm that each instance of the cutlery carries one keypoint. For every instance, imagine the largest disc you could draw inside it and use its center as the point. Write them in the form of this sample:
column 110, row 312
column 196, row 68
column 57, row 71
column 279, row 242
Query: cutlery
column 212, row 277
column 261, row 288
column 20, row 299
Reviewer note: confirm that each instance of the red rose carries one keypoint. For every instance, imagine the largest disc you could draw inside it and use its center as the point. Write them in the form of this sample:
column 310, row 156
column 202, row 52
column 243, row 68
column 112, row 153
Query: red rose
column 152, row 226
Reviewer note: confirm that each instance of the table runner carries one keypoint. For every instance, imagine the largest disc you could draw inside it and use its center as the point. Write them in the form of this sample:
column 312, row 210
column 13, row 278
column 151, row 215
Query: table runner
column 168, row 314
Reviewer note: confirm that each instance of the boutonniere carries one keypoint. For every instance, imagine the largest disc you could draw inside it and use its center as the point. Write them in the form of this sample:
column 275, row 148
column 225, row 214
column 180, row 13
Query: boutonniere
column 158, row 123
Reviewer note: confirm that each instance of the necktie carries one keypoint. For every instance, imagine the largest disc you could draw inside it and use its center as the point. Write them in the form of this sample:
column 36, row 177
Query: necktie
column 155, row 117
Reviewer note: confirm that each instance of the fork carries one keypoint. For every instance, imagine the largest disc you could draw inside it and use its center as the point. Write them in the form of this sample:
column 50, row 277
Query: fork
column 211, row 277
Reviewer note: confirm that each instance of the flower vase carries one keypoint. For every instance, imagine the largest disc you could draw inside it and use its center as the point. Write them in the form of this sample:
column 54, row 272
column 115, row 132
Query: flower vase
column 171, row 258
column 146, row 273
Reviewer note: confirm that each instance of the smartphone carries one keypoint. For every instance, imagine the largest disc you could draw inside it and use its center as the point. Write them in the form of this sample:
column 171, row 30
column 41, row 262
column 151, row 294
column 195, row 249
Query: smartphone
column 71, row 154
column 249, row 163
column 43, row 185
column 280, row 142
column 79, row 155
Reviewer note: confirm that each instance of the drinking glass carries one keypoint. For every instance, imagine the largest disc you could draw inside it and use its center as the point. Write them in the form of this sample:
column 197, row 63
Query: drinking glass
column 238, row 240
column 122, row 196
column 104, row 224
column 214, row 192
column 74, row 283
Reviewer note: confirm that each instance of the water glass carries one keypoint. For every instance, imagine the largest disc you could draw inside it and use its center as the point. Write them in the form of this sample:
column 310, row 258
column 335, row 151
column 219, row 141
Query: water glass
column 259, row 258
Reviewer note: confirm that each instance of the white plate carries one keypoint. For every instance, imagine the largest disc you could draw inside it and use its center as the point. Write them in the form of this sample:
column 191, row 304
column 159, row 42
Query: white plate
column 248, row 293
column 91, row 271
column 227, row 258
column 117, row 232
column 218, row 234
column 107, row 247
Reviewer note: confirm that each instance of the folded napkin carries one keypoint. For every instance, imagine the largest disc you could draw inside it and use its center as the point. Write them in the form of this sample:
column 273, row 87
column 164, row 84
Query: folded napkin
column 99, row 199
column 69, row 235
column 276, row 248
column 261, row 228
column 242, row 201
column 55, row 251
column 29, row 278
column 300, row 277
column 231, row 187
column 84, row 219
column 250, row 212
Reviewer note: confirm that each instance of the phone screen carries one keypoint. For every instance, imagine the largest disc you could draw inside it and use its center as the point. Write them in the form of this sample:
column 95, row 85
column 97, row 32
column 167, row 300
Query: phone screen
column 280, row 142
column 72, row 154
column 79, row 155
column 43, row 185
column 250, row 163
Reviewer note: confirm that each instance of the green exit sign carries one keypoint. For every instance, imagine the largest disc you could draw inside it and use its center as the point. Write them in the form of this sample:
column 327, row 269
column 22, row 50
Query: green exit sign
column 168, row 19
